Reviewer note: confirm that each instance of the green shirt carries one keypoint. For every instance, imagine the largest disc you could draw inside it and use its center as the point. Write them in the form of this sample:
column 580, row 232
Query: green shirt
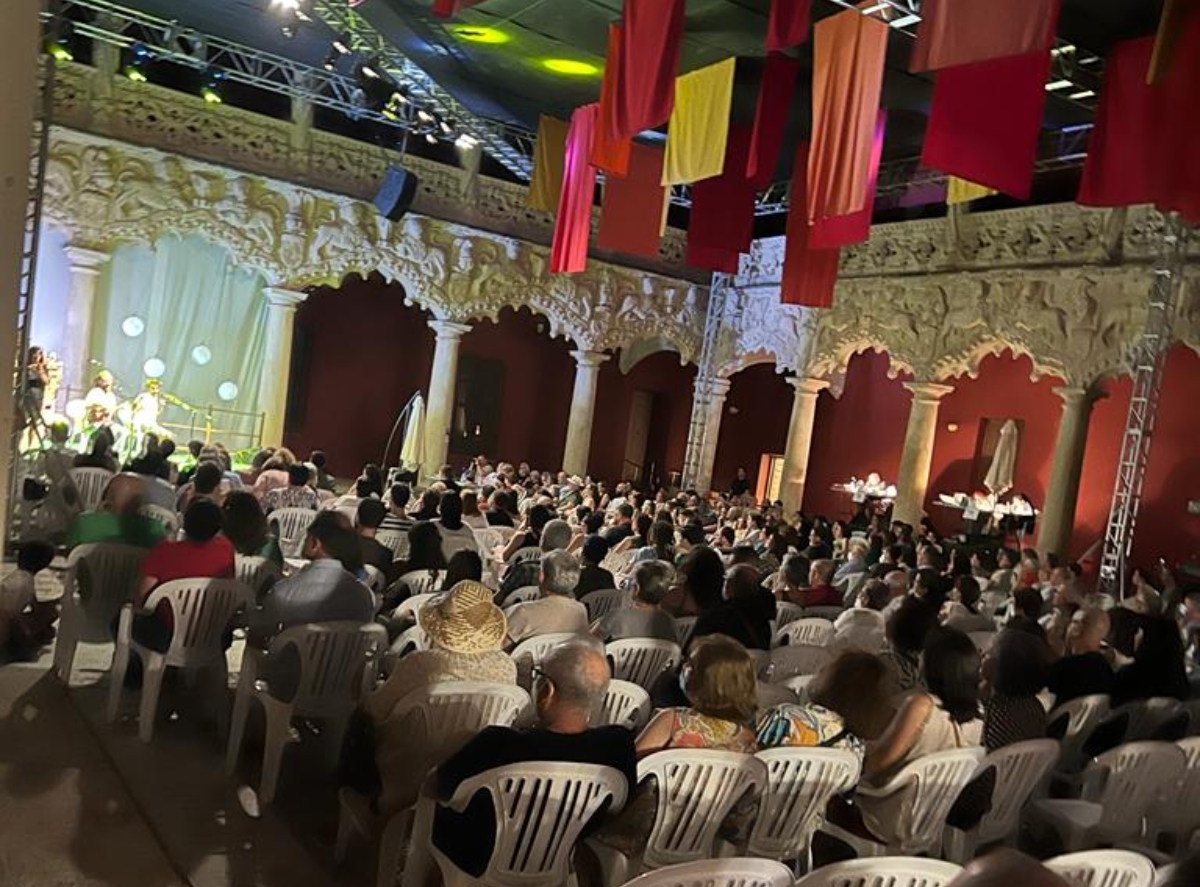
column 107, row 526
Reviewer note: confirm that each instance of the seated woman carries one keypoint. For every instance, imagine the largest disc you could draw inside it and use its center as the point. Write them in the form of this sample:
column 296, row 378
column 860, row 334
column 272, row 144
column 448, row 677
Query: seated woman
column 245, row 525
column 464, row 565
column 202, row 553
column 720, row 684
column 699, row 582
column 455, row 535
column 850, row 704
column 906, row 631
column 1157, row 668
column 471, row 515
column 946, row 717
column 466, row 634
column 646, row 617
column 424, row 556
column 961, row 612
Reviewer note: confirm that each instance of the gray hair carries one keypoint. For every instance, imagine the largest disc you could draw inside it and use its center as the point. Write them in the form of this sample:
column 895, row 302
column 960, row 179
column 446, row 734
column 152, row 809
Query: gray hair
column 579, row 671
column 556, row 535
column 560, row 572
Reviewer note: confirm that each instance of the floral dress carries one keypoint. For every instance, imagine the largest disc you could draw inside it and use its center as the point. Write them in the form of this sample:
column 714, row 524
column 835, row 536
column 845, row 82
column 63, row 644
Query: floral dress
column 691, row 729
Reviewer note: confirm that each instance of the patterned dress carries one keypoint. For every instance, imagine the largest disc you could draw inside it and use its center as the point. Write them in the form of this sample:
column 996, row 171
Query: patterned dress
column 690, row 729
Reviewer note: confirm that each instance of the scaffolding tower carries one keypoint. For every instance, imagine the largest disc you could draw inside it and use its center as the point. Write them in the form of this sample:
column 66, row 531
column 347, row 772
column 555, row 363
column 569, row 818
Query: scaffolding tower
column 718, row 297
column 1149, row 360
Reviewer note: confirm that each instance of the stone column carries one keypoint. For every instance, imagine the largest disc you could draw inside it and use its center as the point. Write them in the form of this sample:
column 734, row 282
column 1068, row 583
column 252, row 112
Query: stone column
column 277, row 361
column 714, row 409
column 913, row 481
column 85, row 265
column 799, row 440
column 583, row 406
column 1058, row 511
column 18, row 73
column 439, row 407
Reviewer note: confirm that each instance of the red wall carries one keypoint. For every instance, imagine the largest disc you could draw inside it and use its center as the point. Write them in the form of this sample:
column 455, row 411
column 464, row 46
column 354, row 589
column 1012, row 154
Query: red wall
column 366, row 353
column 671, row 384
column 757, row 411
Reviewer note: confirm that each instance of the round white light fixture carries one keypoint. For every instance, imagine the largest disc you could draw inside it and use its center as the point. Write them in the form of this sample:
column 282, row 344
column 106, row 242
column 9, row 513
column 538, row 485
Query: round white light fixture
column 227, row 390
column 201, row 355
column 154, row 368
column 133, row 326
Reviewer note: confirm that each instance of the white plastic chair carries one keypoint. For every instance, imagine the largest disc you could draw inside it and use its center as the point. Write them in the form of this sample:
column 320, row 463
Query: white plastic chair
column 641, row 660
column 522, row 595
column 531, row 651
column 799, row 685
column 800, row 782
column 422, row 582
column 408, row 641
column 883, row 871
column 618, row 562
column 375, row 578
column 600, row 603
column 696, row 790
column 1148, row 716
column 335, row 665
column 100, row 579
column 1119, row 787
column 259, row 573
column 540, row 810
column 770, row 695
column 728, row 872
column 448, row 715
column 1020, row 768
column 1082, row 714
column 396, row 540
column 1177, row 813
column 165, row 516
column 786, row 611
column 1103, row 868
column 823, row 612
column 91, row 483
column 684, row 626
column 933, row 783
column 796, row 659
column 625, row 704
column 814, row 632
column 202, row 610
column 293, row 525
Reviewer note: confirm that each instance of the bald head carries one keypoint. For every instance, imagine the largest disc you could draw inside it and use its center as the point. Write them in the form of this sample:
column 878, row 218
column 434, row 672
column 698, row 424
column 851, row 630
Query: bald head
column 897, row 583
column 578, row 669
column 1088, row 630
column 123, row 495
column 1005, row 867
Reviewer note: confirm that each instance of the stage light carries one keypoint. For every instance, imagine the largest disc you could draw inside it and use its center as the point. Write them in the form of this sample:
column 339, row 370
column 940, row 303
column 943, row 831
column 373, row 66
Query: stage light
column 135, row 73
column 367, row 69
column 477, row 34
column 1082, row 94
column 285, row 5
column 466, row 141
column 154, row 368
column 211, row 92
column 201, row 355
column 342, row 44
column 227, row 390
column 330, row 60
column 141, row 55
column 431, row 138
column 424, row 116
column 60, row 44
column 445, row 127
column 904, row 21
column 133, row 326
column 570, row 67
column 1058, row 84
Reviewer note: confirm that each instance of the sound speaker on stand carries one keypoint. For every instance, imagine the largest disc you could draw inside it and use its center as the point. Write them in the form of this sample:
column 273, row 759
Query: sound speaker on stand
column 397, row 193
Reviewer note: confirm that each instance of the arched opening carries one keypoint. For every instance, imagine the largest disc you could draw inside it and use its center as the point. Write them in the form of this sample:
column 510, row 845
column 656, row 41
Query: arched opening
column 758, row 409
column 358, row 355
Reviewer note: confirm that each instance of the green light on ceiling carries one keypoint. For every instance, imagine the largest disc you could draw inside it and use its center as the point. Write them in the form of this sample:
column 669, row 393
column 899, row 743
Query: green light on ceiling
column 571, row 67
column 479, row 34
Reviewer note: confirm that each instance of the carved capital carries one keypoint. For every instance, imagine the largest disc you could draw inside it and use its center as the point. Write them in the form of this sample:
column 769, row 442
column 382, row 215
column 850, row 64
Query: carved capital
column 448, row 330
column 806, row 386
column 86, row 261
column 589, row 359
column 928, row 392
column 284, row 299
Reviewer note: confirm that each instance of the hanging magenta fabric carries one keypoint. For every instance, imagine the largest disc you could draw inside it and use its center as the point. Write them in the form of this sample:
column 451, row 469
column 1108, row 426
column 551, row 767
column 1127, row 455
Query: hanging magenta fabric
column 985, row 122
column 722, row 221
column 788, row 24
column 962, row 32
column 611, row 153
column 838, row 231
column 574, row 220
column 631, row 212
column 451, row 8
column 652, row 36
column 1176, row 16
column 848, row 57
column 1146, row 139
column 809, row 274
column 770, row 119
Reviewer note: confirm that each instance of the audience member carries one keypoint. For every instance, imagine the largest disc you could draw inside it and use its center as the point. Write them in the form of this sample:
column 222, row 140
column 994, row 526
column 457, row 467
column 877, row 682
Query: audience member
column 367, row 521
column 274, row 472
column 205, row 484
column 397, row 519
column 246, row 527
column 1027, row 606
column 645, row 617
column 297, row 494
column 906, row 633
column 856, row 560
column 962, row 611
column 745, row 613
column 863, row 626
column 118, row 518
column 555, row 536
column 1015, row 670
column 465, row 565
column 472, row 517
column 101, row 454
column 592, row 576
column 1157, row 668
column 622, row 525
column 456, row 535
column 1085, row 670
column 820, row 591
column 26, row 624
column 556, row 610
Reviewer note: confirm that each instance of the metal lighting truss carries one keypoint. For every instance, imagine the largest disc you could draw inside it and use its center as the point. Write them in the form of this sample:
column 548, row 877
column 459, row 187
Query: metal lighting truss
column 697, row 438
column 1149, row 360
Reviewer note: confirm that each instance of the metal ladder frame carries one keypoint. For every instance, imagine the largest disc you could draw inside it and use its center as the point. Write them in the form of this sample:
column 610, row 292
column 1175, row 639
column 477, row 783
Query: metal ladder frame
column 718, row 296
column 1149, row 359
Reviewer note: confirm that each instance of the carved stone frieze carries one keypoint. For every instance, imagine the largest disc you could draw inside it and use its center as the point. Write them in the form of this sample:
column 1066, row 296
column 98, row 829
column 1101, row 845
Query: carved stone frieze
column 153, row 116
column 104, row 193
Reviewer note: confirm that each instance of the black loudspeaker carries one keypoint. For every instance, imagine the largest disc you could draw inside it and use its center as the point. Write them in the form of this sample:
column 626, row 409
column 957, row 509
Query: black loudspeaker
column 397, row 193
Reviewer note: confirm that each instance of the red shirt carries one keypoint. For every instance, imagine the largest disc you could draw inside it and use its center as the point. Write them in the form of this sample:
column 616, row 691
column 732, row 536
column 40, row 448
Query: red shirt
column 185, row 560
column 820, row 596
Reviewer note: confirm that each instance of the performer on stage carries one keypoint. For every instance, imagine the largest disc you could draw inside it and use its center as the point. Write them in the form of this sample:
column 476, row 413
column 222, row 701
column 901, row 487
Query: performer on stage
column 146, row 408
column 37, row 377
column 100, row 404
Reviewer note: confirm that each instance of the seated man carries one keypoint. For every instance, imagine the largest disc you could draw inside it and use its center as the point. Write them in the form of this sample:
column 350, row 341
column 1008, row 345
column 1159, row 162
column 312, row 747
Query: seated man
column 645, row 618
column 118, row 519
column 570, row 683
column 820, row 591
column 397, row 519
column 862, row 627
column 856, row 560
column 622, row 524
column 370, row 515
column 745, row 613
column 592, row 576
column 297, row 494
column 556, row 610
column 555, row 536
column 205, row 484
column 1084, row 670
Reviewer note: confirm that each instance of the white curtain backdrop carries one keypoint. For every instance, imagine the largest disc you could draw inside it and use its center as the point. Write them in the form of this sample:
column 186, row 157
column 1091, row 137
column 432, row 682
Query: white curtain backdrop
column 185, row 303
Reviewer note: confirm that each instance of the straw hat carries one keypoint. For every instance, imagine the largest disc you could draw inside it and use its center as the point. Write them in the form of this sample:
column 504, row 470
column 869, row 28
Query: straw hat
column 464, row 619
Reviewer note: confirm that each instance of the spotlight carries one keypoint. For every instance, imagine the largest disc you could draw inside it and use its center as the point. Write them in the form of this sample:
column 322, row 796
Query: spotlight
column 330, row 60
column 288, row 32
column 431, row 138
column 466, row 141
column 285, row 5
column 369, row 69
column 424, row 116
column 59, row 45
column 445, row 127
column 342, row 44
column 135, row 69
column 211, row 91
